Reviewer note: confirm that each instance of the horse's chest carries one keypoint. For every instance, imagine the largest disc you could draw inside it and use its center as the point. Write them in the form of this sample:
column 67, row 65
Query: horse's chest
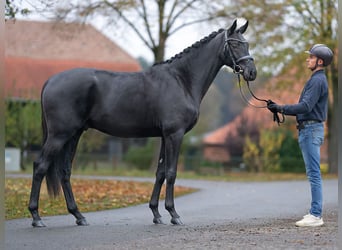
column 179, row 116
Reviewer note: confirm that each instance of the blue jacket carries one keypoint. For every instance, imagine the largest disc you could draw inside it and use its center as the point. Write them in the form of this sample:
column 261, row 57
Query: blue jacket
column 313, row 101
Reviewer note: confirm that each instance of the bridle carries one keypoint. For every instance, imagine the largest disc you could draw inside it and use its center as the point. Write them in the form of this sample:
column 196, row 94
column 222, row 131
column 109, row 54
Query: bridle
column 237, row 69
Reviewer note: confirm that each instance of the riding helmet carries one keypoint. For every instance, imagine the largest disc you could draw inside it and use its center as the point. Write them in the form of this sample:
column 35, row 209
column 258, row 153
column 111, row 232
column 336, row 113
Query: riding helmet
column 323, row 52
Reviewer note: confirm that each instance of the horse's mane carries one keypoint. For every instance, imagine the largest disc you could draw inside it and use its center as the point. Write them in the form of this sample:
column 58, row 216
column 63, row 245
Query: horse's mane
column 193, row 46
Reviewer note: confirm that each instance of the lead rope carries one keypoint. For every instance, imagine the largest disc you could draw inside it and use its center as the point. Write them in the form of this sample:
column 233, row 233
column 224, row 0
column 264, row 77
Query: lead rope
column 275, row 114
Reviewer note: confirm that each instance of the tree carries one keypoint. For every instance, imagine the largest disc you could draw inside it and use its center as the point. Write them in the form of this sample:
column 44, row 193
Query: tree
column 22, row 125
column 320, row 26
column 153, row 21
column 282, row 30
column 12, row 9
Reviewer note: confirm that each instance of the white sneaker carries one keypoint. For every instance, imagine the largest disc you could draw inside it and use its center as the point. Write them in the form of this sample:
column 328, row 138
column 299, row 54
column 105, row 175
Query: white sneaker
column 310, row 220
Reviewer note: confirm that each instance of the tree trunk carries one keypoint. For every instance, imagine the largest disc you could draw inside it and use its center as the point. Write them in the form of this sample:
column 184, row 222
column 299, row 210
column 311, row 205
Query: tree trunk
column 332, row 123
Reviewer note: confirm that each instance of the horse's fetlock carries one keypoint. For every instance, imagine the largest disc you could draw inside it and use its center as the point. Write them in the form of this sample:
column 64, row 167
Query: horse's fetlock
column 73, row 209
column 169, row 207
column 153, row 206
column 32, row 208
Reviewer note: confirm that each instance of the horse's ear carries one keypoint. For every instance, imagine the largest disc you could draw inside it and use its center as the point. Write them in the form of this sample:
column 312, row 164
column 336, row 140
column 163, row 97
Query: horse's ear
column 243, row 28
column 233, row 27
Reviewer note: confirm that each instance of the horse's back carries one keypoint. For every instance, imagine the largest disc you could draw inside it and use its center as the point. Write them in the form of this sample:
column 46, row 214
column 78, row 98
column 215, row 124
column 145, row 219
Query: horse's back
column 78, row 84
column 69, row 80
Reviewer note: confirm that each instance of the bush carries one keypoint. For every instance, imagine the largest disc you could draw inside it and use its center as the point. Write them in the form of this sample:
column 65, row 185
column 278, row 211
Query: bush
column 291, row 159
column 292, row 164
column 140, row 157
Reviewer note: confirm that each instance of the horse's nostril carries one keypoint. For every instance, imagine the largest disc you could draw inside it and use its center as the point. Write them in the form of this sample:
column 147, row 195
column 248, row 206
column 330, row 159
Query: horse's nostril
column 251, row 75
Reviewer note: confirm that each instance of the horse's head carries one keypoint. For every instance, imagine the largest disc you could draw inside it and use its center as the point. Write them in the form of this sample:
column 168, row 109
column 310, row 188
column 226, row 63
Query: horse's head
column 236, row 52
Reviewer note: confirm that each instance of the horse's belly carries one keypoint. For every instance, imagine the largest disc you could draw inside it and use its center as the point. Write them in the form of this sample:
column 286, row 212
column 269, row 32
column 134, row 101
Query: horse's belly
column 127, row 130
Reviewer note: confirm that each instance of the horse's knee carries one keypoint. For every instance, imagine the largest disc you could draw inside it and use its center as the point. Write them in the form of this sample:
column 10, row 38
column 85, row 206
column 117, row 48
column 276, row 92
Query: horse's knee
column 171, row 177
column 160, row 178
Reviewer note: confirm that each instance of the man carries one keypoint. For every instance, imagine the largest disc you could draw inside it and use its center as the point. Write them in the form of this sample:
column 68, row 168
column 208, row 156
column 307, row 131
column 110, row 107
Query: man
column 310, row 113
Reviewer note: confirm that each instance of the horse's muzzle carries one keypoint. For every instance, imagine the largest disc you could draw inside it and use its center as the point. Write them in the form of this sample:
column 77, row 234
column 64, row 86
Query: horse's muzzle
column 249, row 71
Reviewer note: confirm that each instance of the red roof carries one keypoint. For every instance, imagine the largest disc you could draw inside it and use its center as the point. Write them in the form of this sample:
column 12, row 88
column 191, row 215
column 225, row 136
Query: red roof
column 37, row 50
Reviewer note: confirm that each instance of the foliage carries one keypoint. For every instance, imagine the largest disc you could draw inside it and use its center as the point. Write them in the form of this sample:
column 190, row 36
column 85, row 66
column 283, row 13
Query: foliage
column 140, row 157
column 281, row 29
column 90, row 141
column 92, row 195
column 12, row 9
column 270, row 142
column 245, row 128
column 251, row 156
column 263, row 155
column 22, row 124
column 291, row 159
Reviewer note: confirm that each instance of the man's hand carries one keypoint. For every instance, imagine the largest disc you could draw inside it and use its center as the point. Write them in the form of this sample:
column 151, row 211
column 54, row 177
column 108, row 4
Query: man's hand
column 273, row 107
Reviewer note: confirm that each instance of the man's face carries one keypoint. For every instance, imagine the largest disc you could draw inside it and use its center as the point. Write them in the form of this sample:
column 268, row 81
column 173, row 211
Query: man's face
column 311, row 61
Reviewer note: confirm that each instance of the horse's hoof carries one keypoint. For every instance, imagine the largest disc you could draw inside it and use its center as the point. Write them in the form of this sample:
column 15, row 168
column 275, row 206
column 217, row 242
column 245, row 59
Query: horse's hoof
column 38, row 223
column 158, row 221
column 82, row 222
column 176, row 221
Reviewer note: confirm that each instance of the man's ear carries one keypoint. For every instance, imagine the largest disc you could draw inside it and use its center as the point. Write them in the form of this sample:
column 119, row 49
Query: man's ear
column 320, row 62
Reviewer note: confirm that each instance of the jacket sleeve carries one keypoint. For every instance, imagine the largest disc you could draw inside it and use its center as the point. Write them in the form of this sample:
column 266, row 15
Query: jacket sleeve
column 309, row 98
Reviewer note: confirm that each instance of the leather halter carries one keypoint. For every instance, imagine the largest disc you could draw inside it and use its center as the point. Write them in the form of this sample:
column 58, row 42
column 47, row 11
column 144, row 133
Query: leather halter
column 236, row 67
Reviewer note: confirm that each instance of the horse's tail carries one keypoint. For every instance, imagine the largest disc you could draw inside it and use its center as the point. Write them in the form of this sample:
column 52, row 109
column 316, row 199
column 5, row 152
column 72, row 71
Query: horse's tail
column 44, row 125
column 53, row 181
column 53, row 175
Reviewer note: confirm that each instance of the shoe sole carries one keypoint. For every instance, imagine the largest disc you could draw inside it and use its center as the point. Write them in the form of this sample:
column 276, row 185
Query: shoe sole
column 310, row 225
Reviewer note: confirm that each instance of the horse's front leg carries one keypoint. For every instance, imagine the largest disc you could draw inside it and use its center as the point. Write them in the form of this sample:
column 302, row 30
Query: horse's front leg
column 172, row 147
column 160, row 178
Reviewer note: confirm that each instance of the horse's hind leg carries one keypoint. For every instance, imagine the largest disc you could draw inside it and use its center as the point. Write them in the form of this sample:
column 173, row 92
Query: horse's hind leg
column 160, row 178
column 69, row 153
column 41, row 168
column 39, row 171
column 70, row 201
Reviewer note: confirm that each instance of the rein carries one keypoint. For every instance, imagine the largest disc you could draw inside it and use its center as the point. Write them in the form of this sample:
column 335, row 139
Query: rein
column 237, row 69
column 275, row 115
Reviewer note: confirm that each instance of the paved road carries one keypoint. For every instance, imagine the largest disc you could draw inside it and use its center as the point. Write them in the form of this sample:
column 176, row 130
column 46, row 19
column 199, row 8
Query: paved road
column 216, row 203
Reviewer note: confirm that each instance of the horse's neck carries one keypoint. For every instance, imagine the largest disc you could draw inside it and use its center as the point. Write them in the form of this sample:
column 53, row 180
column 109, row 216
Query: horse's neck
column 202, row 67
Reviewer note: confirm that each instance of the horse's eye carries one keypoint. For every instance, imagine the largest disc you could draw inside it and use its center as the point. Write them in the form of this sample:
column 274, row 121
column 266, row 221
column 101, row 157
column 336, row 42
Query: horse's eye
column 235, row 45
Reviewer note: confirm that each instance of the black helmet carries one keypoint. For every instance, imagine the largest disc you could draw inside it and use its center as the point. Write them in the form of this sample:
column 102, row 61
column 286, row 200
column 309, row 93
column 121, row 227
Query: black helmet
column 323, row 52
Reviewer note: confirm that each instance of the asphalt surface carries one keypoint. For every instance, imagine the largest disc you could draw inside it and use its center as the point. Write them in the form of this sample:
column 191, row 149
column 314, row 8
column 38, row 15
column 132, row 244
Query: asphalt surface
column 211, row 211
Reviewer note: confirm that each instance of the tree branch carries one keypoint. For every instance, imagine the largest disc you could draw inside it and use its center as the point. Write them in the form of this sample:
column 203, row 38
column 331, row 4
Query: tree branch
column 131, row 24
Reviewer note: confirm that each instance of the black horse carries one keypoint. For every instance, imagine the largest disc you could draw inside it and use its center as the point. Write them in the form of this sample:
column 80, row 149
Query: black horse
column 162, row 101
